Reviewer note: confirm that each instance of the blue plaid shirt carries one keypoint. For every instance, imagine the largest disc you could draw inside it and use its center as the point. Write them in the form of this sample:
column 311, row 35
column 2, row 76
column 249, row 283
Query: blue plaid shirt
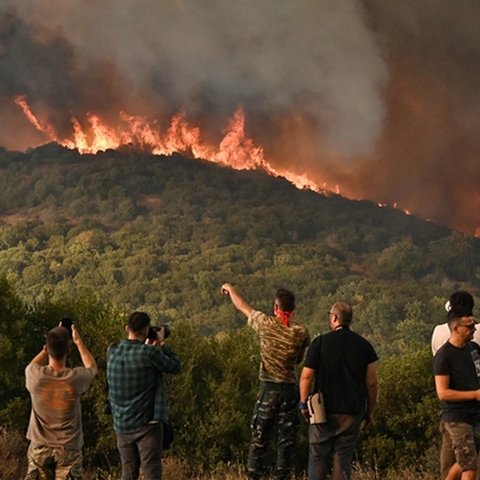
column 135, row 383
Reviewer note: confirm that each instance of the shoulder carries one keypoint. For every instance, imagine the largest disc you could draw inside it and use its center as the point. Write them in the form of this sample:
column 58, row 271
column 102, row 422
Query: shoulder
column 474, row 345
column 440, row 328
column 317, row 338
column 34, row 369
column 443, row 352
column 316, row 343
column 300, row 327
column 313, row 353
column 83, row 373
column 365, row 345
column 112, row 347
column 257, row 318
column 441, row 331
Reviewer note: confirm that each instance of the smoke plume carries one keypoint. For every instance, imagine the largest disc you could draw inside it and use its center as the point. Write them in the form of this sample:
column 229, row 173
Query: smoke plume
column 376, row 96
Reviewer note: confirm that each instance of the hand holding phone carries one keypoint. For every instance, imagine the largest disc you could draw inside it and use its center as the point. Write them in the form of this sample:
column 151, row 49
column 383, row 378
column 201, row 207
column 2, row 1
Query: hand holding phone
column 67, row 323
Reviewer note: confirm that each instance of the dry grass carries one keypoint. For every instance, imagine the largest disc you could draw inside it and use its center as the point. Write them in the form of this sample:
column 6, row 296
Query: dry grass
column 175, row 470
column 13, row 449
column 13, row 459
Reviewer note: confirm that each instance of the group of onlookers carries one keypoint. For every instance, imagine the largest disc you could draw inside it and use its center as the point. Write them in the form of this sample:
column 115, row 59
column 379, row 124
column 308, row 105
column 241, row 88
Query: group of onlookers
column 336, row 393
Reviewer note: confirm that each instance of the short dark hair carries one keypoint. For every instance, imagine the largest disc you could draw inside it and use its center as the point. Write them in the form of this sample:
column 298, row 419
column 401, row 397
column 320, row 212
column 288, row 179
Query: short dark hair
column 58, row 342
column 138, row 321
column 461, row 305
column 344, row 312
column 285, row 299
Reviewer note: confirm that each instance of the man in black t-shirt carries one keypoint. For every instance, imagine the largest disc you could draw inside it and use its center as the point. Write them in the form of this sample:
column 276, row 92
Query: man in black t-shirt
column 458, row 388
column 343, row 365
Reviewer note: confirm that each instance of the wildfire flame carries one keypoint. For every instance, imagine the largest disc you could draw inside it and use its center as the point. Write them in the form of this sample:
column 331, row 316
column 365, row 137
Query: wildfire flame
column 235, row 150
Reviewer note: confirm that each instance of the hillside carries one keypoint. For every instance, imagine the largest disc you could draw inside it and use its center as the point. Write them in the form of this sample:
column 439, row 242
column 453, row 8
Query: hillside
column 162, row 234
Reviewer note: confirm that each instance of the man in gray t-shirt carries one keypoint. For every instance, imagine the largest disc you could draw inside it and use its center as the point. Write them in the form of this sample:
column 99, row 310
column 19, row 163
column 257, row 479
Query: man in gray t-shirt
column 55, row 428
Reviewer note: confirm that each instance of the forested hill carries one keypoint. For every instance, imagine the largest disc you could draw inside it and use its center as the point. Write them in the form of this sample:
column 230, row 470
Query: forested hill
column 163, row 233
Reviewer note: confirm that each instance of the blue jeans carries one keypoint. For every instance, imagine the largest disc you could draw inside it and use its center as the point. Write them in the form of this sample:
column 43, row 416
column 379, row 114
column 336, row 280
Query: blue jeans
column 141, row 449
column 276, row 406
column 333, row 443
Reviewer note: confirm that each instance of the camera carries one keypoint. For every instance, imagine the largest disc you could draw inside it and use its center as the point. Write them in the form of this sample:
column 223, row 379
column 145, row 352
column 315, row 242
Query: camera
column 152, row 331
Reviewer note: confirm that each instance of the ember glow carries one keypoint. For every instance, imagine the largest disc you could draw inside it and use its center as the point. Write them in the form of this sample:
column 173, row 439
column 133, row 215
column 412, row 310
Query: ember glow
column 235, row 149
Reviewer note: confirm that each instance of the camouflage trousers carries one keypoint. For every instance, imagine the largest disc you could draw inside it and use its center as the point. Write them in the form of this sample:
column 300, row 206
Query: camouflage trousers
column 275, row 409
column 53, row 463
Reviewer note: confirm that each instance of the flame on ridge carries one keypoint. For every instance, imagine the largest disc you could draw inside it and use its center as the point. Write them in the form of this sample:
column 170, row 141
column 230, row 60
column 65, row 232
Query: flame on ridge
column 235, row 150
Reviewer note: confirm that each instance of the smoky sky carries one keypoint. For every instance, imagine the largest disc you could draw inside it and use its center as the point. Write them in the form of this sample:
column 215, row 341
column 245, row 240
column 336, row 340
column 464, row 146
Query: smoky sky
column 376, row 95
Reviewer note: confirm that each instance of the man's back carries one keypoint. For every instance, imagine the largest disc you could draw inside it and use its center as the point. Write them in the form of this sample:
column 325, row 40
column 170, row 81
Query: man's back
column 56, row 413
column 340, row 359
column 281, row 347
column 135, row 383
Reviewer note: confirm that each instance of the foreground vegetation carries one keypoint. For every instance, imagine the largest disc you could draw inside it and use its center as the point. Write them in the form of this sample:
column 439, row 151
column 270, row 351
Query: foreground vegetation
column 211, row 400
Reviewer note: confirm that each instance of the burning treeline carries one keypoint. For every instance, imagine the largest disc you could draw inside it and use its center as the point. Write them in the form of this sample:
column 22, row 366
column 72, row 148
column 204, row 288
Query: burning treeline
column 371, row 100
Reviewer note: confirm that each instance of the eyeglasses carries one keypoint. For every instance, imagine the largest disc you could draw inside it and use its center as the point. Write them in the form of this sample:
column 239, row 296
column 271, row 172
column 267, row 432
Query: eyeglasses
column 470, row 326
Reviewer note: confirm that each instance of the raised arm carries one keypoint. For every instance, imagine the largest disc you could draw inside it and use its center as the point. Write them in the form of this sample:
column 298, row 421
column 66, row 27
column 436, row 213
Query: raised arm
column 87, row 358
column 238, row 301
column 41, row 357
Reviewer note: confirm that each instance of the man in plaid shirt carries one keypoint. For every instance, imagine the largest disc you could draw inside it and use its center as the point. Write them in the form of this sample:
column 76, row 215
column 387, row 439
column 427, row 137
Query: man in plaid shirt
column 135, row 388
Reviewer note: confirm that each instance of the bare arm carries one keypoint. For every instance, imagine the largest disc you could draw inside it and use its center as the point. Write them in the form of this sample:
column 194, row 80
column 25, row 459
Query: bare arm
column 41, row 357
column 238, row 301
column 372, row 392
column 305, row 383
column 87, row 358
column 444, row 393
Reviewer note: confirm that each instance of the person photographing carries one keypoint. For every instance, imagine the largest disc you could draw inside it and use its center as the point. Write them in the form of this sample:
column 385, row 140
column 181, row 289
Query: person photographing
column 55, row 427
column 135, row 368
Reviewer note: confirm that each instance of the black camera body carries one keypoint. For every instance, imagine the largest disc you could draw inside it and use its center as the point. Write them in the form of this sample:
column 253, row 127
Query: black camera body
column 67, row 323
column 152, row 331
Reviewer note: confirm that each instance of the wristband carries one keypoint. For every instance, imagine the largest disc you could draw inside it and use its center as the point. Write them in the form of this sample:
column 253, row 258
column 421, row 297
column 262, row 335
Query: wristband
column 302, row 406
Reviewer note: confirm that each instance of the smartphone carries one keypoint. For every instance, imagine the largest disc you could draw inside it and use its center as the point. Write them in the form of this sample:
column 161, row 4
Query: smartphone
column 67, row 323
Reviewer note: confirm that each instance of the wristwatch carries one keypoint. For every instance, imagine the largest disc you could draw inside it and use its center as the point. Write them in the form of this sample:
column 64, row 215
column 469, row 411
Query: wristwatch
column 302, row 406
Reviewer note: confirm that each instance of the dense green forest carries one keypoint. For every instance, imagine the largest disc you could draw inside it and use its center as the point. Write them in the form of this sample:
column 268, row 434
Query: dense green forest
column 96, row 236
column 163, row 233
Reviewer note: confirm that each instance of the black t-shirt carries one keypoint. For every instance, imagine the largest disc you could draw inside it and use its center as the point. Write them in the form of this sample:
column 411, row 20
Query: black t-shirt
column 340, row 359
column 458, row 364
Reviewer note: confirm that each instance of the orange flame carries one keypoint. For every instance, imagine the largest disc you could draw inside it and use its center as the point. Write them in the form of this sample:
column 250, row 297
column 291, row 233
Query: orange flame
column 235, row 149
column 21, row 101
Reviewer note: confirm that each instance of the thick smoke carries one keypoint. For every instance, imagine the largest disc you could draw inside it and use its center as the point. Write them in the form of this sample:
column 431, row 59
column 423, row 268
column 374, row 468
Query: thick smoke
column 377, row 96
